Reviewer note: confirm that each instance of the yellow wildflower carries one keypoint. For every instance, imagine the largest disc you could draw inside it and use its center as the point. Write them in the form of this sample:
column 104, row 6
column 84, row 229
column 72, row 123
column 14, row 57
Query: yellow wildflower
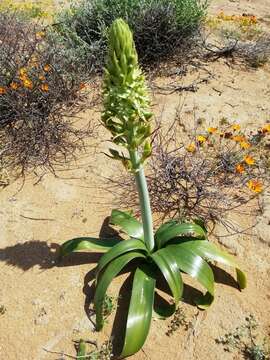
column 44, row 87
column 236, row 127
column 266, row 128
column 249, row 160
column 28, row 84
column 255, row 186
column 2, row 90
column 245, row 145
column 40, row 35
column 212, row 130
column 23, row 74
column 201, row 139
column 239, row 168
column 191, row 148
column 23, row 71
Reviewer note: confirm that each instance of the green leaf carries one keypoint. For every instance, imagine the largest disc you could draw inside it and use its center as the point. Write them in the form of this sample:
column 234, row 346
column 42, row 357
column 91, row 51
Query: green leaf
column 120, row 249
column 87, row 243
column 201, row 223
column 163, row 311
column 105, row 279
column 127, row 223
column 210, row 251
column 140, row 311
column 194, row 265
column 171, row 230
column 203, row 302
column 169, row 268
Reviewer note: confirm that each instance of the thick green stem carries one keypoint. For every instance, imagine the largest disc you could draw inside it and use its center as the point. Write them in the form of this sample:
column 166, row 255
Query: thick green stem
column 144, row 198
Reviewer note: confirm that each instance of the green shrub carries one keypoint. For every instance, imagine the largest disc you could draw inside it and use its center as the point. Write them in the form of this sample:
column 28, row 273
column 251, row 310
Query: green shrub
column 159, row 26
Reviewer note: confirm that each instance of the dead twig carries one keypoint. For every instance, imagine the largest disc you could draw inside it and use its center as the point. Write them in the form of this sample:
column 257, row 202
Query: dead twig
column 37, row 219
column 62, row 354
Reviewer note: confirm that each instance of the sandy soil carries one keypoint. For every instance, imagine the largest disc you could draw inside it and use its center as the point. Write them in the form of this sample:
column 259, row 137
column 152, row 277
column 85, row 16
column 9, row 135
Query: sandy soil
column 46, row 302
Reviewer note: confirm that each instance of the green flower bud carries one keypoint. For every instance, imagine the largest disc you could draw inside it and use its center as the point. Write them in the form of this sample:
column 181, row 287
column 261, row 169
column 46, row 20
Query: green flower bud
column 126, row 102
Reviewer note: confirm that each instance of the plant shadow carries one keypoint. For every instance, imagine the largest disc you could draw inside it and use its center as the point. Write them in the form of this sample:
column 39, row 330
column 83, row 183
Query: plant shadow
column 28, row 254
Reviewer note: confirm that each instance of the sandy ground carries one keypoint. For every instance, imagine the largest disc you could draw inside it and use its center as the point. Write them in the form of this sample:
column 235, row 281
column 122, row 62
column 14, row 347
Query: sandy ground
column 46, row 302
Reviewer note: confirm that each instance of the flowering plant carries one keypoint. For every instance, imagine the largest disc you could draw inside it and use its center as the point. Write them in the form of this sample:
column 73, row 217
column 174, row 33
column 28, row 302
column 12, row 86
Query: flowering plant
column 175, row 246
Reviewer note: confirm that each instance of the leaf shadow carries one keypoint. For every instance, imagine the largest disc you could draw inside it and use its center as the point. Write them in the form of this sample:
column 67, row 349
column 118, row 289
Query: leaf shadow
column 28, row 254
column 223, row 277
column 120, row 320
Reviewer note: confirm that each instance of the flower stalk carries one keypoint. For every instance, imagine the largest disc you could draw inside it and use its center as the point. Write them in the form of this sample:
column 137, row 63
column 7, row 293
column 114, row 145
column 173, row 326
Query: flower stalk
column 126, row 114
column 145, row 206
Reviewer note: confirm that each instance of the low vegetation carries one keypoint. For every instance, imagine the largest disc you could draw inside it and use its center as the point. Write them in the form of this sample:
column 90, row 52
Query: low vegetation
column 246, row 340
column 208, row 173
column 41, row 87
column 159, row 26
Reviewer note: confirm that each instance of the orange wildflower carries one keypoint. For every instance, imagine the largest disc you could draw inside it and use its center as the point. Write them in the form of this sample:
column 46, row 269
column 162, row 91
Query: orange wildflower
column 47, row 68
column 28, row 84
column 23, row 77
column 245, row 145
column 212, row 130
column 41, row 77
column 14, row 85
column 191, row 148
column 2, row 90
column 255, row 186
column 249, row 160
column 239, row 138
column 201, row 139
column 239, row 168
column 236, row 127
column 82, row 86
column 44, row 87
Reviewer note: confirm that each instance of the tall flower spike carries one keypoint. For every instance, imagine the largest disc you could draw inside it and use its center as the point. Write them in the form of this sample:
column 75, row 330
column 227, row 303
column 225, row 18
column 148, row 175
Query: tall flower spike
column 126, row 102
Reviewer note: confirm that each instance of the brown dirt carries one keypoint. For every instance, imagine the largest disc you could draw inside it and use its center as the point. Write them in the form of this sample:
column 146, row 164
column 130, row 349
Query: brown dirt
column 45, row 301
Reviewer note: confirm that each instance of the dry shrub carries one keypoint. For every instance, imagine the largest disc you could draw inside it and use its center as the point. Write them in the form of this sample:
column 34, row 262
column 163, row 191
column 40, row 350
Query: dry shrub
column 40, row 91
column 206, row 175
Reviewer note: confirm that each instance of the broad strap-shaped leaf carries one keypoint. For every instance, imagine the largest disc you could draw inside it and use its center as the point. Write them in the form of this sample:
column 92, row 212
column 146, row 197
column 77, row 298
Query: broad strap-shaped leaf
column 210, row 251
column 127, row 223
column 118, row 250
column 106, row 278
column 140, row 311
column 169, row 269
column 167, row 232
column 87, row 243
column 195, row 266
